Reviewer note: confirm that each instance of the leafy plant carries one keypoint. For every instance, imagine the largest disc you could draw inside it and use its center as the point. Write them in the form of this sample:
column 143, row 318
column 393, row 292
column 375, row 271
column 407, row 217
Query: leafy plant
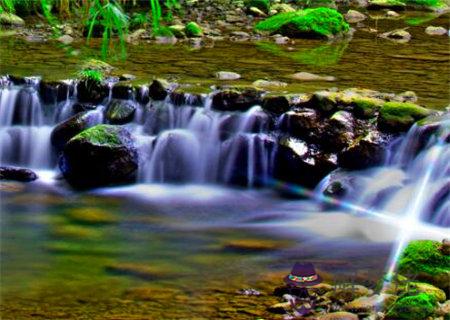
column 93, row 75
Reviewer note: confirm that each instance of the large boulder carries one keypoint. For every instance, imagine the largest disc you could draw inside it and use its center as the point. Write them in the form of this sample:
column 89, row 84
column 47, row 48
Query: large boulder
column 54, row 91
column 305, row 124
column 92, row 91
column 66, row 130
column 17, row 174
column 400, row 116
column 101, row 155
column 309, row 23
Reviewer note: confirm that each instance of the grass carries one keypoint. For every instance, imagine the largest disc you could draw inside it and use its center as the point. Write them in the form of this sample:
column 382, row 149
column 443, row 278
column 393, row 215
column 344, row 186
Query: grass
column 93, row 75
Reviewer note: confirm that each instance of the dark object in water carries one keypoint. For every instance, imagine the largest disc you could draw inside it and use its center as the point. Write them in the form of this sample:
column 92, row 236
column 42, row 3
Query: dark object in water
column 17, row 174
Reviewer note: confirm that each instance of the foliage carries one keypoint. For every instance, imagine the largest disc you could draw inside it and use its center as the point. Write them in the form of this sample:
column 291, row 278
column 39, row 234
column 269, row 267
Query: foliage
column 319, row 21
column 93, row 75
column 101, row 134
column 416, row 307
column 193, row 30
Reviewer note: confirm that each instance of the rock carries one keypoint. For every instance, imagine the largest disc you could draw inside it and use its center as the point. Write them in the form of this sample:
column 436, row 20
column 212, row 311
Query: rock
column 179, row 98
column 94, row 64
column 281, row 40
column 69, row 128
column 193, row 30
column 99, row 156
column 300, row 163
column 386, row 4
column 53, row 92
column 282, row 7
column 339, row 185
column 123, row 91
column 416, row 307
column 17, row 174
column 353, row 16
column 240, row 34
column 280, row 308
column 348, row 293
column 275, row 104
column 341, row 315
column 91, row 91
column 392, row 14
column 400, row 116
column 305, row 124
column 269, row 84
column 178, row 30
column 127, row 77
column 444, row 310
column 445, row 247
column 339, row 131
column 234, row 100
column 65, row 39
column 366, row 151
column 368, row 305
column 120, row 112
column 435, row 31
column 407, row 96
column 262, row 5
column 423, row 260
column 256, row 12
column 167, row 40
column 306, row 76
column 11, row 19
column 309, row 23
column 427, row 288
column 158, row 90
column 227, row 75
column 399, row 35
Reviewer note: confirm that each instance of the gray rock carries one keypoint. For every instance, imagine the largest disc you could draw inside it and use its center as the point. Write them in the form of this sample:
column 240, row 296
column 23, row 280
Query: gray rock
column 11, row 19
column 435, row 31
column 65, row 39
column 306, row 76
column 399, row 35
column 227, row 75
column 353, row 16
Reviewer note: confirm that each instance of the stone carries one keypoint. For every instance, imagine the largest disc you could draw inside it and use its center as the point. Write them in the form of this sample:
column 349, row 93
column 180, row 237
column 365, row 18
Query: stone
column 65, row 39
column 353, row 16
column 399, row 35
column 120, row 111
column 445, row 247
column 275, row 104
column 348, row 293
column 178, row 30
column 280, row 308
column 429, row 289
column 400, row 116
column 269, row 84
column 282, row 7
column 122, row 91
column 99, row 156
column 392, row 14
column 256, row 12
column 341, row 315
column 127, row 77
column 91, row 91
column 306, row 76
column 140, row 271
column 158, row 89
column 193, row 30
column 227, row 75
column 54, row 91
column 69, row 128
column 17, row 174
column 435, row 31
column 236, row 100
column 386, row 4
column 368, row 305
column 415, row 307
column 11, row 19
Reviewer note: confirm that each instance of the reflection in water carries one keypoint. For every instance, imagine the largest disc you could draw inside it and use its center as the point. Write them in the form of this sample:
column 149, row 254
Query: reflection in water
column 320, row 56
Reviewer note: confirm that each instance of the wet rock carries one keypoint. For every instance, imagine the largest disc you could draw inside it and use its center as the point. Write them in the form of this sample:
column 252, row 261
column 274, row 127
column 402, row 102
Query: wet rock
column 158, row 89
column 240, row 35
column 427, row 288
column 69, row 128
column 249, row 292
column 299, row 163
column 127, row 77
column 98, row 65
column 368, row 305
column 339, row 132
column 386, row 4
column 305, row 123
column 366, row 151
column 306, row 76
column 17, row 174
column 179, row 98
column 227, row 75
column 120, row 112
column 256, row 12
column 89, row 90
column 269, row 84
column 279, row 39
column 98, row 156
column 81, row 107
column 444, row 309
column 65, row 39
column 123, row 91
column 435, row 31
column 353, row 16
column 423, row 260
column 236, row 100
column 407, row 96
column 282, row 7
column 392, row 14
column 445, row 247
column 399, row 35
column 348, row 293
column 178, row 31
column 341, row 315
column 10, row 19
column 54, row 91
column 275, row 104
column 400, row 116
column 339, row 184
column 414, row 307
column 280, row 308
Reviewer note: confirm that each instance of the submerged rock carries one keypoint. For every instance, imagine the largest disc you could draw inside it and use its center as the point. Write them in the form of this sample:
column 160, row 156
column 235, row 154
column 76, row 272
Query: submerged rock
column 120, row 111
column 17, row 174
column 399, row 35
column 386, row 4
column 99, row 156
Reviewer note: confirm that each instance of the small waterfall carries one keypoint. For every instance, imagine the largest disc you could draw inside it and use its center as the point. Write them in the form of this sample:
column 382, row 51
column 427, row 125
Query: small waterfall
column 418, row 161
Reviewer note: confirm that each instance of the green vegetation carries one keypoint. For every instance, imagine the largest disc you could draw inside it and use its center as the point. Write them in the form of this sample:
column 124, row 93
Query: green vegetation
column 402, row 113
column 193, row 30
column 319, row 22
column 101, row 134
column 263, row 5
column 415, row 307
column 90, row 75
column 424, row 256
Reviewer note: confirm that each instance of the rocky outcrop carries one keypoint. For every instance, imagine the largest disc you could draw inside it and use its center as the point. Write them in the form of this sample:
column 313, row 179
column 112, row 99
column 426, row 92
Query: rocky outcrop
column 101, row 155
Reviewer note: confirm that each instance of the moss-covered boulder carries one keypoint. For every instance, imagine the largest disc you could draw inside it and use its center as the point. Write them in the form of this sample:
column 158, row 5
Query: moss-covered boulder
column 193, row 30
column 10, row 19
column 120, row 111
column 416, row 307
column 423, row 260
column 386, row 4
column 421, row 287
column 99, row 156
column 400, row 116
column 308, row 23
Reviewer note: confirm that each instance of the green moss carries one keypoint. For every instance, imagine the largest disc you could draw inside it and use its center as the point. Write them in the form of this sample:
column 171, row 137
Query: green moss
column 366, row 107
column 101, row 134
column 416, row 307
column 319, row 22
column 193, row 30
column 402, row 113
column 425, row 3
column 92, row 75
column 423, row 256
column 263, row 5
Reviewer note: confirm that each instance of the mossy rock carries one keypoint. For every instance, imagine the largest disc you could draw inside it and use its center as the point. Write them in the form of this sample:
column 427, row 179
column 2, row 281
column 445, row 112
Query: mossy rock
column 193, row 30
column 423, row 260
column 98, row 65
column 416, row 307
column 421, row 287
column 386, row 4
column 308, row 23
column 10, row 19
column 263, row 5
column 366, row 107
column 99, row 135
column 178, row 30
column 399, row 116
